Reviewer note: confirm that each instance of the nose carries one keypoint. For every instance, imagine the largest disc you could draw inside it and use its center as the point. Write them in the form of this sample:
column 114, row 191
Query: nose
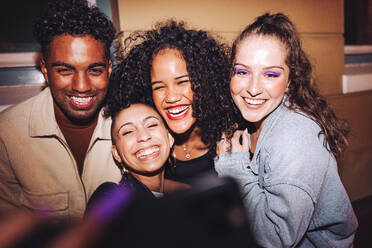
column 143, row 135
column 254, row 86
column 81, row 83
column 172, row 95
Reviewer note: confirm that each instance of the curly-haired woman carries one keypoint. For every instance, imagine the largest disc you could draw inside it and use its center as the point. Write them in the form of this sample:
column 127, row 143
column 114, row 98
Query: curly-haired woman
column 285, row 161
column 184, row 73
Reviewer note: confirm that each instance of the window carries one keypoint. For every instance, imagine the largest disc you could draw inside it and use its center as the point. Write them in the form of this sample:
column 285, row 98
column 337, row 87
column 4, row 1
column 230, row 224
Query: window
column 358, row 46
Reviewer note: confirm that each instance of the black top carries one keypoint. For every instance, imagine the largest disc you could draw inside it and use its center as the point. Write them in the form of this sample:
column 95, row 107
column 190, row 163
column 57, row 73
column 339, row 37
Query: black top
column 190, row 218
column 188, row 171
column 142, row 193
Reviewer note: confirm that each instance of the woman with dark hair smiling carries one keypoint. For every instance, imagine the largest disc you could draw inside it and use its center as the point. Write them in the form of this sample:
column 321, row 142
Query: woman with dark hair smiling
column 185, row 74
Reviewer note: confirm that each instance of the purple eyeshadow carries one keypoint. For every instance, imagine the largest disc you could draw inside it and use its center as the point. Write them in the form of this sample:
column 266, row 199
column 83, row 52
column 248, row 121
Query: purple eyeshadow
column 240, row 70
column 273, row 73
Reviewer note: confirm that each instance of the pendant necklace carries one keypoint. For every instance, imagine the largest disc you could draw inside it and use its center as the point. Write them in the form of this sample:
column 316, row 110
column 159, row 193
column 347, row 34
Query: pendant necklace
column 187, row 153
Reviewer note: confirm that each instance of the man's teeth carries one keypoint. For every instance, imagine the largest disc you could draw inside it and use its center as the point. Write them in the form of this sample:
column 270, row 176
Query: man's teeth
column 81, row 100
column 254, row 101
column 146, row 152
column 177, row 111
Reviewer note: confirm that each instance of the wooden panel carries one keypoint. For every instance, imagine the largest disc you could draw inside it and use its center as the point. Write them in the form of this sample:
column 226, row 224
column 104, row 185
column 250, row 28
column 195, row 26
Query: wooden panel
column 356, row 171
column 234, row 15
column 356, row 108
column 356, row 165
column 326, row 53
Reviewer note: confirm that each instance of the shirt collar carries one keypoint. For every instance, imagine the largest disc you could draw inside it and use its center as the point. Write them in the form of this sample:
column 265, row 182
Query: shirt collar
column 42, row 121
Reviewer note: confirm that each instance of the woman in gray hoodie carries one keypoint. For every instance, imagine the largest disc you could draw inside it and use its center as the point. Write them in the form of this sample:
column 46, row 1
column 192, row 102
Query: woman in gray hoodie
column 285, row 158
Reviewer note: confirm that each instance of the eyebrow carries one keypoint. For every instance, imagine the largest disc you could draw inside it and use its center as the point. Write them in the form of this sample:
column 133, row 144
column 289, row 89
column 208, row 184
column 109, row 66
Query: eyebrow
column 179, row 77
column 98, row 64
column 55, row 64
column 268, row 67
column 156, row 82
column 151, row 117
column 275, row 66
column 131, row 123
column 125, row 124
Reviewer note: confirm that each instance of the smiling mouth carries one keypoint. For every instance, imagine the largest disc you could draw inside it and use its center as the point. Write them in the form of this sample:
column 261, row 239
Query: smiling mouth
column 254, row 102
column 178, row 112
column 148, row 153
column 82, row 102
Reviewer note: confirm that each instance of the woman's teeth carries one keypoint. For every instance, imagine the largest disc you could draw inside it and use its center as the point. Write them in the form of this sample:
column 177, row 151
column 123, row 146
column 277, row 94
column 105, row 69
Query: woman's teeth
column 178, row 111
column 146, row 152
column 254, row 101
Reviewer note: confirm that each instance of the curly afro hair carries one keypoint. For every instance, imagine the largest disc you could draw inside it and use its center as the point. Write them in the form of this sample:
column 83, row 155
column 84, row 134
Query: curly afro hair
column 76, row 18
column 207, row 64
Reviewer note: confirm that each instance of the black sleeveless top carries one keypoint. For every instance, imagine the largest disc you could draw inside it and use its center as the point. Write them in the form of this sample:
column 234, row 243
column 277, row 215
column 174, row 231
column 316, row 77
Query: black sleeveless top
column 188, row 171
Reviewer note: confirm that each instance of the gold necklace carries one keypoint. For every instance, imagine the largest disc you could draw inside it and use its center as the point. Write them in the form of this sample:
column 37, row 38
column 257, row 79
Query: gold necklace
column 187, row 154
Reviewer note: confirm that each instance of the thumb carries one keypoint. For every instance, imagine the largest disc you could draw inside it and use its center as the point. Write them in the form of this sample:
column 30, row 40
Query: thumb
column 245, row 142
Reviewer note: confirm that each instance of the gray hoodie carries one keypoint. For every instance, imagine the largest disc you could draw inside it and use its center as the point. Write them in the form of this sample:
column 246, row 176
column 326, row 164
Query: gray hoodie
column 291, row 189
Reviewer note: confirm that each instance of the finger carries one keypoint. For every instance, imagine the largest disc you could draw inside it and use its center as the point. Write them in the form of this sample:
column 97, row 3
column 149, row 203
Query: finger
column 236, row 135
column 218, row 148
column 235, row 141
column 222, row 147
column 245, row 142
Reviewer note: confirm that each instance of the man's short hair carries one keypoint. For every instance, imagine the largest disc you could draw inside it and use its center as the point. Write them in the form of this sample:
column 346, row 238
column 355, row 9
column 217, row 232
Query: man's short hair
column 76, row 18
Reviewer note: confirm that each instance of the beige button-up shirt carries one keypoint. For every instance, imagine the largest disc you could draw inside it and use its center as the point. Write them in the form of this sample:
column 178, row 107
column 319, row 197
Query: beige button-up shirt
column 37, row 168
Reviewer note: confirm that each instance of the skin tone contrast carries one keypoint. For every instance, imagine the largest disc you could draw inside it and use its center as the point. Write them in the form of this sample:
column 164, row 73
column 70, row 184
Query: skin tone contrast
column 142, row 143
column 259, row 81
column 78, row 72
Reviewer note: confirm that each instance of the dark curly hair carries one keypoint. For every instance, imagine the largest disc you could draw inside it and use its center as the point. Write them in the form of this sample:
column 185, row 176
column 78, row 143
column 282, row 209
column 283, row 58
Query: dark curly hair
column 302, row 93
column 76, row 18
column 207, row 64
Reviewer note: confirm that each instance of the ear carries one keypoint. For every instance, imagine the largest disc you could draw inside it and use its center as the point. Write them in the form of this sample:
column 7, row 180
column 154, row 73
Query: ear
column 289, row 82
column 115, row 154
column 44, row 69
column 171, row 140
